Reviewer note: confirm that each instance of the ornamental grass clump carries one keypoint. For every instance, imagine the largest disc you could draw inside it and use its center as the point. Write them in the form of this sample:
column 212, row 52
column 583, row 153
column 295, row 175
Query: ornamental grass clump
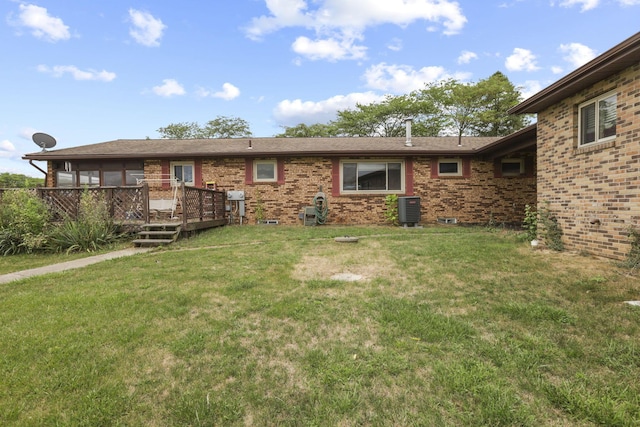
column 91, row 230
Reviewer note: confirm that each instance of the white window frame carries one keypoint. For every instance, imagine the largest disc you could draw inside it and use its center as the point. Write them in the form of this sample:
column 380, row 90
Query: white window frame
column 454, row 160
column 179, row 179
column 271, row 162
column 518, row 161
column 595, row 102
column 386, row 162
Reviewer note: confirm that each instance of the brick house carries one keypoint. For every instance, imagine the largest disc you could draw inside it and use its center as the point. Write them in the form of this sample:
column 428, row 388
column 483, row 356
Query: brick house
column 475, row 181
column 588, row 150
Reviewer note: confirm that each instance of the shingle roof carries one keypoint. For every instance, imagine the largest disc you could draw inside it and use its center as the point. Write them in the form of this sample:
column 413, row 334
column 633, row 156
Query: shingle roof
column 619, row 57
column 239, row 147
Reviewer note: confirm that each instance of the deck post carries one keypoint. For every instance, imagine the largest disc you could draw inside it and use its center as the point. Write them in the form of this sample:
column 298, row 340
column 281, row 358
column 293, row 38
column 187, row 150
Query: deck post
column 184, row 205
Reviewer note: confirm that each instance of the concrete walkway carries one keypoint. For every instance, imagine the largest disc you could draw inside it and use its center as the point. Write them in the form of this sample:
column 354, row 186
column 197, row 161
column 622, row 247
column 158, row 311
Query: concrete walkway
column 69, row 265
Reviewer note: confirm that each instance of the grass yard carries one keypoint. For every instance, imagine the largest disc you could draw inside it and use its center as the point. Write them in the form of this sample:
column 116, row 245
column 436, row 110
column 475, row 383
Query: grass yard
column 249, row 326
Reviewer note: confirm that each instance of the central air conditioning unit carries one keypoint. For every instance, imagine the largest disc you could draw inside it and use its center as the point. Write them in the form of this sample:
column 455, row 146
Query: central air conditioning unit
column 409, row 210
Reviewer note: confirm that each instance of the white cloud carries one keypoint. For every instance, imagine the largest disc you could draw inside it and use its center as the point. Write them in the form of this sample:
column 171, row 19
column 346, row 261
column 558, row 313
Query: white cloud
column 8, row 150
column 530, row 88
column 521, row 60
column 403, row 79
column 338, row 23
column 77, row 74
column 293, row 112
column 395, row 45
column 146, row 30
column 169, row 88
column 586, row 4
column 557, row 70
column 577, row 54
column 466, row 57
column 227, row 93
column 330, row 49
column 42, row 25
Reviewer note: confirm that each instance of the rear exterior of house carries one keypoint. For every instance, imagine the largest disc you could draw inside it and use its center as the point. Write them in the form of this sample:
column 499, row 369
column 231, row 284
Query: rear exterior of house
column 479, row 181
column 588, row 151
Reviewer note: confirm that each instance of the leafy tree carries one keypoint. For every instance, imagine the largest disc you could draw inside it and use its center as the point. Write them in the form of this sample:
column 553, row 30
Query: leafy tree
column 225, row 127
column 387, row 118
column 497, row 95
column 474, row 109
column 308, row 131
column 457, row 102
column 14, row 180
column 220, row 127
column 186, row 130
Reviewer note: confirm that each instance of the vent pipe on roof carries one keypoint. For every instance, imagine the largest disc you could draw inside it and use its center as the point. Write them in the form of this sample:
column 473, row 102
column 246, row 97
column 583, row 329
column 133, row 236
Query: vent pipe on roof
column 249, row 147
column 407, row 123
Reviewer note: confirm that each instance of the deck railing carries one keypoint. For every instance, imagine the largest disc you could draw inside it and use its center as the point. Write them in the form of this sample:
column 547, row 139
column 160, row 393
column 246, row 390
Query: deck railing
column 131, row 203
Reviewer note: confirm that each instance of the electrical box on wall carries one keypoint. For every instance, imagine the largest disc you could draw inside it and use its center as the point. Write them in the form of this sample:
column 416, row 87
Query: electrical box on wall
column 235, row 195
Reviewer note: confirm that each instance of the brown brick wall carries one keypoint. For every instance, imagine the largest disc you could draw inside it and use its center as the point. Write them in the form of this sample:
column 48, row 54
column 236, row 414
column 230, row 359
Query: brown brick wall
column 599, row 182
column 476, row 199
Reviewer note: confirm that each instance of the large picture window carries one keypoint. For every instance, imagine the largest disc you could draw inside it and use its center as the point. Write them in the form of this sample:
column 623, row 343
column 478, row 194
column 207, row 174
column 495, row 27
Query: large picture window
column 597, row 119
column 372, row 176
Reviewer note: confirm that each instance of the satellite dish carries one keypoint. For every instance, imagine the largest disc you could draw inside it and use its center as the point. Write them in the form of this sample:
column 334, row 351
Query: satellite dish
column 43, row 140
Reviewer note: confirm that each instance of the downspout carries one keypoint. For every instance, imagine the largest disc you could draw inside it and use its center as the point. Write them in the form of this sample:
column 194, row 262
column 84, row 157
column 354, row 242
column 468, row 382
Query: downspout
column 46, row 175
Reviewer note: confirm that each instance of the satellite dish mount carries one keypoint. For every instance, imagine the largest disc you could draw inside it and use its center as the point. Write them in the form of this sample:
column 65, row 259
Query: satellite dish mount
column 44, row 140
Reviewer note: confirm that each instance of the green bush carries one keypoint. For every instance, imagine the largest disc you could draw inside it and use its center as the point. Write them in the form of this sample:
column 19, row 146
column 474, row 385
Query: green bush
column 92, row 230
column 391, row 212
column 24, row 220
column 633, row 257
column 530, row 223
column 551, row 230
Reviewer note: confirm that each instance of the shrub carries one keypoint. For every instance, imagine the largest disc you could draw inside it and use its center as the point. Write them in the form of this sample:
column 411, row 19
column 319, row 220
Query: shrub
column 92, row 230
column 391, row 212
column 633, row 257
column 551, row 232
column 24, row 220
column 530, row 223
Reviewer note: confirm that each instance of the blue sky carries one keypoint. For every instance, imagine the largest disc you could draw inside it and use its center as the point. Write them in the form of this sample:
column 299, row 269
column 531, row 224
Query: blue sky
column 93, row 71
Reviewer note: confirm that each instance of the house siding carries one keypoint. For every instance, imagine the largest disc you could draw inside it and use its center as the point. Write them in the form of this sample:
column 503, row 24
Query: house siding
column 474, row 199
column 594, row 191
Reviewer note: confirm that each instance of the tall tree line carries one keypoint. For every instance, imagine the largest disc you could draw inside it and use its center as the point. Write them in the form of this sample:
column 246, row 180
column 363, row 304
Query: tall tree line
column 448, row 107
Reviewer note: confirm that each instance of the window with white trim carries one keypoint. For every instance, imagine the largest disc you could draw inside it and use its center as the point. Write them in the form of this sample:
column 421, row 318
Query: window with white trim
column 371, row 176
column 512, row 167
column 182, row 172
column 449, row 167
column 597, row 119
column 65, row 179
column 265, row 170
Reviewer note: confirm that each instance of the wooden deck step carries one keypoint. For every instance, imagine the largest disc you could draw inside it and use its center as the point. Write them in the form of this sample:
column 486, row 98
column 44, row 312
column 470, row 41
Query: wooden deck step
column 157, row 234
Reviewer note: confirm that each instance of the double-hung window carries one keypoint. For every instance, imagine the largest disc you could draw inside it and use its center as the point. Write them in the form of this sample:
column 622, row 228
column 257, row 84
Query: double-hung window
column 182, row 172
column 597, row 119
column 372, row 176
column 265, row 171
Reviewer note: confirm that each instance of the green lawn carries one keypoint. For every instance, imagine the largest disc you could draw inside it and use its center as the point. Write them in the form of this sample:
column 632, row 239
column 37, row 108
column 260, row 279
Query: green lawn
column 246, row 326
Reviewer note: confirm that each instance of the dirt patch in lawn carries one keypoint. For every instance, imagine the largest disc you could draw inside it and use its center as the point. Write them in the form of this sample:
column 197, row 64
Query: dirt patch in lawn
column 366, row 259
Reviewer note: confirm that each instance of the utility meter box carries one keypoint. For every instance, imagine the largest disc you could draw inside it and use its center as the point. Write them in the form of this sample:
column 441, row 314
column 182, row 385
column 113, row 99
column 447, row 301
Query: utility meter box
column 235, row 195
column 409, row 210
